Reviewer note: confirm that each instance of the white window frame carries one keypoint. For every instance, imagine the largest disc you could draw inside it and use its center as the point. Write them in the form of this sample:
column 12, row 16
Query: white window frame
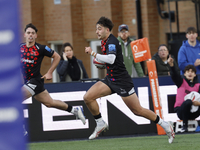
column 94, row 70
column 55, row 77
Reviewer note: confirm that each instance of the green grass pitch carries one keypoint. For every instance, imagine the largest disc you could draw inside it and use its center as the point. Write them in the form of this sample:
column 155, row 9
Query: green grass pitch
column 155, row 142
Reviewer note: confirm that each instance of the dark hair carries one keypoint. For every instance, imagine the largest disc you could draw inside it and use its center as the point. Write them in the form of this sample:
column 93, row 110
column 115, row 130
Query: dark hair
column 63, row 48
column 162, row 45
column 188, row 67
column 105, row 22
column 30, row 25
column 191, row 30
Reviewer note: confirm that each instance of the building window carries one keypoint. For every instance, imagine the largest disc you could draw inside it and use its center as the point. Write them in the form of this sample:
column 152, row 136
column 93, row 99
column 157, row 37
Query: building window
column 96, row 73
column 56, row 46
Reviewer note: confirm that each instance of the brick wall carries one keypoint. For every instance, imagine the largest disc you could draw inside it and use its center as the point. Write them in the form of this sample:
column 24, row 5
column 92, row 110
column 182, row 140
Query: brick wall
column 92, row 11
column 57, row 21
column 25, row 13
column 74, row 21
column 58, row 27
column 117, row 18
column 79, row 41
column 153, row 26
column 129, row 13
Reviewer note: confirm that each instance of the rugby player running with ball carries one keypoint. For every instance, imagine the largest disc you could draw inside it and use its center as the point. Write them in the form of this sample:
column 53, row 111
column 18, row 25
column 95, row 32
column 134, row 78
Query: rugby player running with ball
column 117, row 81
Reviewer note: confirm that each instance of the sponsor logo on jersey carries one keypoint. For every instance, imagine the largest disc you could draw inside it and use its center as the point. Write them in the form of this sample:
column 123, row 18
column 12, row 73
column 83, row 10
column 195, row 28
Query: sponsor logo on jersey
column 111, row 47
column 27, row 60
column 48, row 49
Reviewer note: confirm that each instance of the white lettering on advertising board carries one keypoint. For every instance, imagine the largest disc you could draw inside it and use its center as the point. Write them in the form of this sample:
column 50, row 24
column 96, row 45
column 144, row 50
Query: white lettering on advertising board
column 114, row 99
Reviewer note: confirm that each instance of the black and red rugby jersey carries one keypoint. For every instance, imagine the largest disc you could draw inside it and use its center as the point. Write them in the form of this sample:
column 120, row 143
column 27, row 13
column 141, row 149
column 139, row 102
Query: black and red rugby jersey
column 31, row 59
column 117, row 70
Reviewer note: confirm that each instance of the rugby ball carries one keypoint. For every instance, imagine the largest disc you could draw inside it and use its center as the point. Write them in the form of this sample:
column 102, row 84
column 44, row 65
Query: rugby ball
column 99, row 64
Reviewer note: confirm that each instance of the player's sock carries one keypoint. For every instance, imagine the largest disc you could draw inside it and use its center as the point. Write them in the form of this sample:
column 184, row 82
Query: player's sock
column 70, row 109
column 99, row 119
column 161, row 122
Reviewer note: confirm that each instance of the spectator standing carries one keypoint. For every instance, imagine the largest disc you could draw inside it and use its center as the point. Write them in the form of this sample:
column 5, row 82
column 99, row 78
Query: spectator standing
column 189, row 52
column 134, row 69
column 160, row 58
column 70, row 68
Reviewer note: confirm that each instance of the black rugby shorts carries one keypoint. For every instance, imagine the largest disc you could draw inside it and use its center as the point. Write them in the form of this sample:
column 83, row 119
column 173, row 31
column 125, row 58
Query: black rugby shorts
column 35, row 86
column 122, row 87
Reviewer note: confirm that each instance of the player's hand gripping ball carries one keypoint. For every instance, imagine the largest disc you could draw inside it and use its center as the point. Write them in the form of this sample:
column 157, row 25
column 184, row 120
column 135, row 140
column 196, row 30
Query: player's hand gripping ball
column 99, row 64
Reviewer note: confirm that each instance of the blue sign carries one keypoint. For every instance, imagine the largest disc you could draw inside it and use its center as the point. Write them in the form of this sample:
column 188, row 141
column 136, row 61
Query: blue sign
column 11, row 114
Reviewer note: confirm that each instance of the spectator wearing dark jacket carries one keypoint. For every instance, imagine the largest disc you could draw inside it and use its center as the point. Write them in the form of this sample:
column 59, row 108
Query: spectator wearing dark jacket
column 70, row 68
column 160, row 58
